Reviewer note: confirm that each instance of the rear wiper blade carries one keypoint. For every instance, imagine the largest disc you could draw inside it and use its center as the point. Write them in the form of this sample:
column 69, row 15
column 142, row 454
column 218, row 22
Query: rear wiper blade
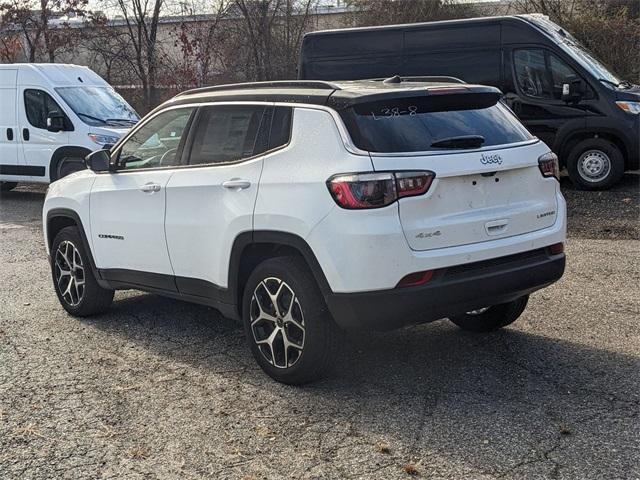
column 462, row 141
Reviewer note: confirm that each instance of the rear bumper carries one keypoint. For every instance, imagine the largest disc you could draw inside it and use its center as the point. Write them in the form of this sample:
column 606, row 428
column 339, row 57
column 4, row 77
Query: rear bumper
column 452, row 290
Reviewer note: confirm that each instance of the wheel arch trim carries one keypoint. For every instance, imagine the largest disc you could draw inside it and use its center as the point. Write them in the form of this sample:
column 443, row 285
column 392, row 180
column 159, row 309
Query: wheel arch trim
column 70, row 214
column 62, row 152
column 276, row 238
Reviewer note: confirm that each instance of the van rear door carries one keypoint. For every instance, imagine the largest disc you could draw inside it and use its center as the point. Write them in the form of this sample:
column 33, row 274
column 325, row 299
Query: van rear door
column 8, row 123
column 488, row 183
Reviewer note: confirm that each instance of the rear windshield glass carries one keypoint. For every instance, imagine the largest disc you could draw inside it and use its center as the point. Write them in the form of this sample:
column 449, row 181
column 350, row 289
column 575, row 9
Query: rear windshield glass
column 418, row 125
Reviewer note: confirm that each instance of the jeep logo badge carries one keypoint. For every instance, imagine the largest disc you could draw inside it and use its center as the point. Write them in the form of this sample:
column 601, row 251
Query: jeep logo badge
column 488, row 159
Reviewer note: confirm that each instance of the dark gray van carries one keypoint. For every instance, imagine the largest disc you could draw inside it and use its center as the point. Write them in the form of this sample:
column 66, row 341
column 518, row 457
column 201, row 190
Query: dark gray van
column 566, row 97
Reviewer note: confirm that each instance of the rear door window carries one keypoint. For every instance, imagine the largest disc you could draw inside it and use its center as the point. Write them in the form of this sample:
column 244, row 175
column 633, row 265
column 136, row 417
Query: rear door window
column 416, row 124
column 226, row 133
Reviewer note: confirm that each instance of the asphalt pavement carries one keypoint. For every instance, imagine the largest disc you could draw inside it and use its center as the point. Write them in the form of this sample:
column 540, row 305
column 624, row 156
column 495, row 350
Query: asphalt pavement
column 158, row 388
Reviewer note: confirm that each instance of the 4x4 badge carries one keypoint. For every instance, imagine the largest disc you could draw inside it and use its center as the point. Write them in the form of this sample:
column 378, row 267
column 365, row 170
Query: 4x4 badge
column 437, row 233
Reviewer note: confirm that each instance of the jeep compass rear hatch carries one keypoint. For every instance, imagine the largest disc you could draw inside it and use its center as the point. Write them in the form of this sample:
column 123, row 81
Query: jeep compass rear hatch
column 488, row 182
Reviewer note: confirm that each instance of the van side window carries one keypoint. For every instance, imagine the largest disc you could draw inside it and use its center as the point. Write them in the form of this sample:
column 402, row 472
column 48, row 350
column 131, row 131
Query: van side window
column 540, row 73
column 226, row 133
column 38, row 105
column 157, row 143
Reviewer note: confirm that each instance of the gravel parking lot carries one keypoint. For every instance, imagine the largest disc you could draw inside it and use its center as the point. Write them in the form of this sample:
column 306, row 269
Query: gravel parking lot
column 158, row 388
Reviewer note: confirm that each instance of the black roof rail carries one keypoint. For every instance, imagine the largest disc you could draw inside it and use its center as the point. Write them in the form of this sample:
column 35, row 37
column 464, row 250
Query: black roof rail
column 399, row 79
column 314, row 84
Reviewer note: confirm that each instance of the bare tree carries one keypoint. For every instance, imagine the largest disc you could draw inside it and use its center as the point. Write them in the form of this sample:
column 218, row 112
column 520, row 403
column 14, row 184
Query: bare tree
column 109, row 50
column 200, row 38
column 134, row 40
column 10, row 45
column 560, row 10
column 43, row 24
column 272, row 31
column 388, row 12
column 22, row 19
column 609, row 28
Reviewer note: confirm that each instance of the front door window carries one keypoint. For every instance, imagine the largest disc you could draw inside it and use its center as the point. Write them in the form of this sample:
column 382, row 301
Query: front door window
column 540, row 73
column 157, row 142
column 38, row 106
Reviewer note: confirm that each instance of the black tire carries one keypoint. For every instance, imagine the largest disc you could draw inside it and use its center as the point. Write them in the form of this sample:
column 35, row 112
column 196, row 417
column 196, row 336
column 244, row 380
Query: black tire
column 67, row 166
column 600, row 151
column 7, row 186
column 494, row 318
column 320, row 337
column 92, row 299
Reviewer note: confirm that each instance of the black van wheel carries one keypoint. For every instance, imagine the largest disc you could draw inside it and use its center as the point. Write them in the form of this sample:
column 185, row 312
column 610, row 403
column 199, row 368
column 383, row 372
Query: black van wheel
column 492, row 318
column 73, row 279
column 7, row 186
column 595, row 164
column 289, row 330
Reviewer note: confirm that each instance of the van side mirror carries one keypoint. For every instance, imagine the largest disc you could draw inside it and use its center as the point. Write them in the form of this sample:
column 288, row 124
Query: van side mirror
column 99, row 161
column 573, row 89
column 55, row 121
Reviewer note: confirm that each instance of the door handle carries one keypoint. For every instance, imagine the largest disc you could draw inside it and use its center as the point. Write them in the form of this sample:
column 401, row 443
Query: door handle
column 25, row 134
column 150, row 187
column 9, row 133
column 236, row 184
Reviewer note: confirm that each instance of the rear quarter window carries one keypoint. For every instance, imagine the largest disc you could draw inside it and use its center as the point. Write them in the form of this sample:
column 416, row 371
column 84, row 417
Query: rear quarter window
column 415, row 124
column 280, row 127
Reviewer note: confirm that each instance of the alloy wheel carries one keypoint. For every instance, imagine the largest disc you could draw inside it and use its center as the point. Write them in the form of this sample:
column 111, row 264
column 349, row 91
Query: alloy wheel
column 277, row 322
column 69, row 273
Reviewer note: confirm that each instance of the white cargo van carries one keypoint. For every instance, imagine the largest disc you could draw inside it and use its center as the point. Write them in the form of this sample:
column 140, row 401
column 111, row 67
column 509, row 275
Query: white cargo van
column 51, row 117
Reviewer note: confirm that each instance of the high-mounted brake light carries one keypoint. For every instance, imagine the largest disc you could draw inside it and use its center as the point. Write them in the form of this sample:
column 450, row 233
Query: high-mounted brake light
column 447, row 89
column 548, row 164
column 376, row 190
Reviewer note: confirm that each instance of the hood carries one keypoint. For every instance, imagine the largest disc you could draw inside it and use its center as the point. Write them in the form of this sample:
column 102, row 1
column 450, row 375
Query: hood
column 117, row 131
column 630, row 94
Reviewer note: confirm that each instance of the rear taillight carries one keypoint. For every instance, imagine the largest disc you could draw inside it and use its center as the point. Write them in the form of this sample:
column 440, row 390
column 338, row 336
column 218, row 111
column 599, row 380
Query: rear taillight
column 548, row 164
column 375, row 190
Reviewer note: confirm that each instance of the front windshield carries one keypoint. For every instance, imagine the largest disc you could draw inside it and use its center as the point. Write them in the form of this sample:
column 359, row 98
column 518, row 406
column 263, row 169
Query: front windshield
column 579, row 51
column 99, row 106
column 587, row 60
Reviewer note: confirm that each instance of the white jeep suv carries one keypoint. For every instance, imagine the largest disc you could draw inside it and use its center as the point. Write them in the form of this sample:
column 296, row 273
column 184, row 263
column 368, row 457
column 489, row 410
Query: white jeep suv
column 304, row 208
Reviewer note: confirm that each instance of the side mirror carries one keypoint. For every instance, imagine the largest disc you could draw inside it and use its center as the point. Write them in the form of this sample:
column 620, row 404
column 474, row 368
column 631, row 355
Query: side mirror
column 99, row 161
column 573, row 89
column 55, row 121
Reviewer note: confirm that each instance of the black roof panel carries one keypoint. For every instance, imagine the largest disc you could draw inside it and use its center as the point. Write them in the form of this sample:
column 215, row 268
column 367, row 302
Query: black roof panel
column 334, row 94
column 421, row 25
